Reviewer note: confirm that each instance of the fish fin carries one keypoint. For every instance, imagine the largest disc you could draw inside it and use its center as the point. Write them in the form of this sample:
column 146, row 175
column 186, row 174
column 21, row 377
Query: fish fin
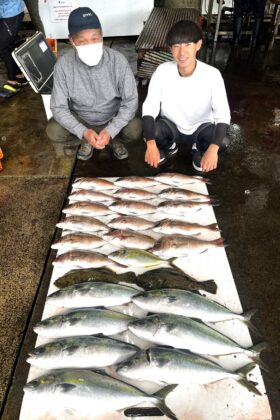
column 65, row 387
column 247, row 320
column 160, row 403
column 249, row 385
column 243, row 372
column 209, row 286
column 72, row 349
column 171, row 299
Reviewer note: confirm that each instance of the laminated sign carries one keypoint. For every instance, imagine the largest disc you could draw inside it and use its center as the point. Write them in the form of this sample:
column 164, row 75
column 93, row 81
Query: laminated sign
column 60, row 9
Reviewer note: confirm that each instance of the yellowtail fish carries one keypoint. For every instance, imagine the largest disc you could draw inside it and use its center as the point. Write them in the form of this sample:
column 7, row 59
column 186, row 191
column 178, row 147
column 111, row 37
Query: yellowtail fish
column 86, row 391
column 172, row 366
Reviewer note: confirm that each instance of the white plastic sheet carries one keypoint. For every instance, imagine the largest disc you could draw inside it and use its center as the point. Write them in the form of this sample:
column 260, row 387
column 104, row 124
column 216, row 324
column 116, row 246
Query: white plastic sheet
column 222, row 400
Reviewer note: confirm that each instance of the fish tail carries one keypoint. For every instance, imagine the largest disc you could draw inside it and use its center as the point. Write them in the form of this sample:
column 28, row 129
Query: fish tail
column 220, row 242
column 214, row 202
column 206, row 180
column 160, row 401
column 209, row 286
column 247, row 320
column 214, row 227
column 243, row 378
column 171, row 262
column 254, row 353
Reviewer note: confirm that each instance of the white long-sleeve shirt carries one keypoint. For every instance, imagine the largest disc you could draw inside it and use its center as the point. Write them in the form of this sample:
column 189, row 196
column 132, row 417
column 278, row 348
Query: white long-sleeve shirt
column 187, row 101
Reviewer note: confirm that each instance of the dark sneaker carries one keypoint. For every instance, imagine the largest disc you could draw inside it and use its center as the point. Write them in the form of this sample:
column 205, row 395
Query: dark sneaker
column 196, row 157
column 85, row 151
column 21, row 82
column 119, row 150
column 8, row 90
column 167, row 153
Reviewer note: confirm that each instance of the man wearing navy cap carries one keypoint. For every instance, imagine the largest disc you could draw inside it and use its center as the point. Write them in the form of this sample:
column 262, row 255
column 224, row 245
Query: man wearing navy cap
column 94, row 97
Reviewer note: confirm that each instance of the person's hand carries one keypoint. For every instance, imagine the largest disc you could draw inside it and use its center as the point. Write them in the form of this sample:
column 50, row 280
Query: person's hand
column 209, row 160
column 103, row 139
column 152, row 155
column 92, row 138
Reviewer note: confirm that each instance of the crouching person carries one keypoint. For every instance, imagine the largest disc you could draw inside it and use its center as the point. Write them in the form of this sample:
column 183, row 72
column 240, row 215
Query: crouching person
column 186, row 104
column 94, row 96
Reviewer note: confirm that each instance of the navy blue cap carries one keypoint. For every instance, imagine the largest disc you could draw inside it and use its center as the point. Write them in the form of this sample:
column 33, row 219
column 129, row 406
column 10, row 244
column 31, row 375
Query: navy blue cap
column 82, row 18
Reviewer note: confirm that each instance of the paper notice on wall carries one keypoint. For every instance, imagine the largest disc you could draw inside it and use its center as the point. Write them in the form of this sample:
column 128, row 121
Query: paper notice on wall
column 60, row 9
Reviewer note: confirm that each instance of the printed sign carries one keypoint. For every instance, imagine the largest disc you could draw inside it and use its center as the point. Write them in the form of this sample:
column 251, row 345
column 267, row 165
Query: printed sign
column 60, row 9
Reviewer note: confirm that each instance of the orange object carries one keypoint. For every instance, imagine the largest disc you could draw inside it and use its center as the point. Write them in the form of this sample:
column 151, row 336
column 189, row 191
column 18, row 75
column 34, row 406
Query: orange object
column 1, row 157
column 53, row 45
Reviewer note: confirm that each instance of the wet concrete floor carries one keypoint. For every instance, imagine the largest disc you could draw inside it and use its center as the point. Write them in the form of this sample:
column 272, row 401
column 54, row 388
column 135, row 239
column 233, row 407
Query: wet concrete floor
column 36, row 176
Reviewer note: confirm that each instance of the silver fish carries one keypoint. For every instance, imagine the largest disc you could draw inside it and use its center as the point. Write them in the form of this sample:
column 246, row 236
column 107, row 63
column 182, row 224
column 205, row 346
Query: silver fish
column 185, row 333
column 81, row 352
column 128, row 239
column 82, row 224
column 181, row 194
column 134, row 194
column 89, row 195
column 135, row 182
column 169, row 227
column 85, row 392
column 87, row 321
column 171, row 366
column 175, row 246
column 86, row 208
column 185, row 303
column 92, row 294
column 132, row 207
column 181, row 207
column 132, row 257
column 131, row 222
column 83, row 259
column 93, row 184
column 176, row 179
column 73, row 241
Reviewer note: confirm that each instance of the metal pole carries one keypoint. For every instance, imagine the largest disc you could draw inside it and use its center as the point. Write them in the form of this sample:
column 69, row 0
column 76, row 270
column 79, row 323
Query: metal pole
column 218, row 20
column 275, row 25
column 209, row 15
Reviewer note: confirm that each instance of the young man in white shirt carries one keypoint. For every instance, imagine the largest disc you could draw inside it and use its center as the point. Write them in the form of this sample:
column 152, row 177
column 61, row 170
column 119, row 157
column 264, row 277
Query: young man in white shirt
column 186, row 104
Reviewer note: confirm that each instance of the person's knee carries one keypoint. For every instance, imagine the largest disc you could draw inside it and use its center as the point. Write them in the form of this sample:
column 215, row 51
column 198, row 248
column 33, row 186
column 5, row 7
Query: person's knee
column 225, row 143
column 57, row 134
column 133, row 131
column 165, row 129
column 52, row 130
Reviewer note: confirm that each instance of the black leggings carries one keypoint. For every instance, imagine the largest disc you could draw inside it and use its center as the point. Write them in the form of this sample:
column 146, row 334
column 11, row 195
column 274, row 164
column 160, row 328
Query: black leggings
column 9, row 28
column 242, row 7
column 166, row 133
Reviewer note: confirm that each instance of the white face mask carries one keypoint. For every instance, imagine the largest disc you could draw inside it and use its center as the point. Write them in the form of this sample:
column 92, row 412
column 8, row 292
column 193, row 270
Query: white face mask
column 90, row 54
